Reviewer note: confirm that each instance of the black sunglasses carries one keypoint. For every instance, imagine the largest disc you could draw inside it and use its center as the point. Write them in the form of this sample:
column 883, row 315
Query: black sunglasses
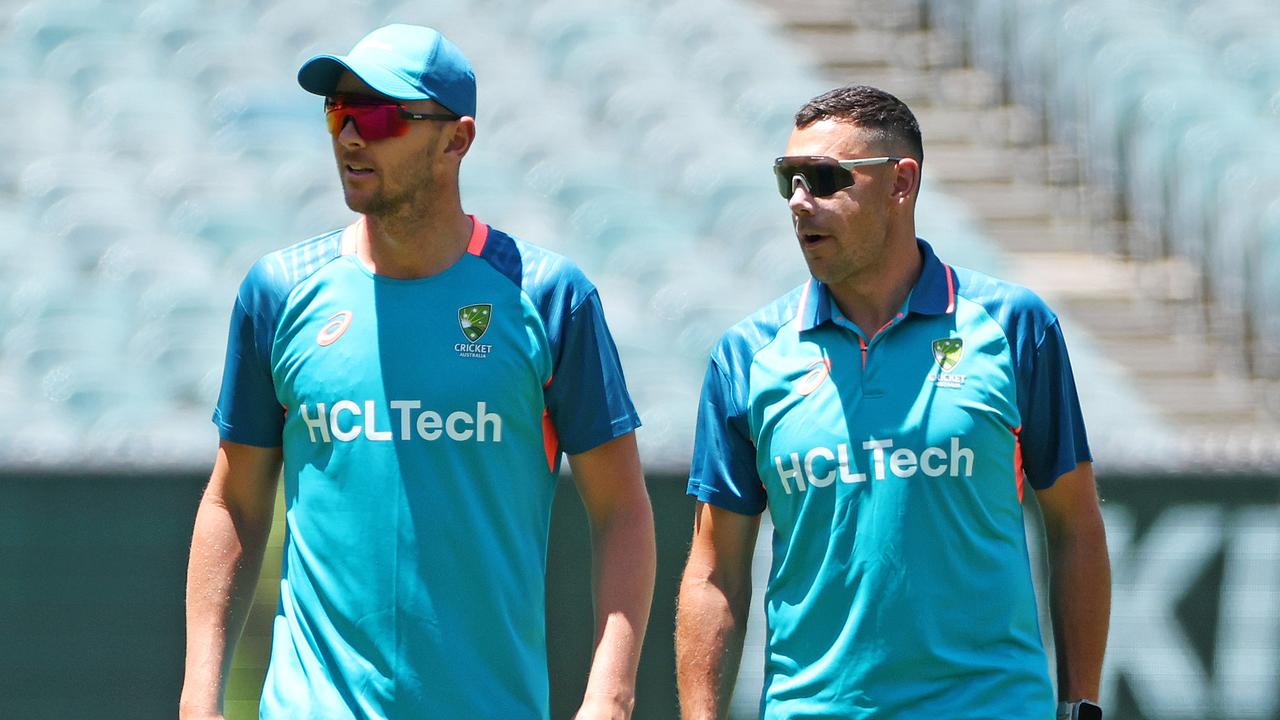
column 819, row 174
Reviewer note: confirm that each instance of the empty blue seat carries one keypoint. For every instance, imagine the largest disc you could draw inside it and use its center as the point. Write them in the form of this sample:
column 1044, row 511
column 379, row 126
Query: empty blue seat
column 1203, row 152
column 1160, row 122
column 212, row 61
column 123, row 116
column 84, row 63
column 1254, row 63
column 51, row 123
column 1264, row 294
column 51, row 178
column 1219, row 23
column 39, row 26
column 1238, row 230
column 1121, row 77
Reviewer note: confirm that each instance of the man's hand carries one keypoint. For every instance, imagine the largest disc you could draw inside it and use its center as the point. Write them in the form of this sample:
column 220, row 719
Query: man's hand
column 184, row 715
column 596, row 706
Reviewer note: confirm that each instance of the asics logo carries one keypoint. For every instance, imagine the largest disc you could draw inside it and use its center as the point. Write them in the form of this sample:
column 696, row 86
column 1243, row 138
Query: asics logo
column 818, row 372
column 333, row 329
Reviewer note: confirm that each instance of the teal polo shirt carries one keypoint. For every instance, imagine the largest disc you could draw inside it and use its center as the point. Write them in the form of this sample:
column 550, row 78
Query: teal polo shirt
column 422, row 423
column 893, row 467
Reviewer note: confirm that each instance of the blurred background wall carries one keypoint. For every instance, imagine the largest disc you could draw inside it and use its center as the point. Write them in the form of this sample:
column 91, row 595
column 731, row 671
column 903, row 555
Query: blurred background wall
column 1118, row 157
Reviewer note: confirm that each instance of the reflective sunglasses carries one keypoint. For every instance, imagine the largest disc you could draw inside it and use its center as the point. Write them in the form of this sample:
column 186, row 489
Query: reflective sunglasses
column 375, row 118
column 819, row 174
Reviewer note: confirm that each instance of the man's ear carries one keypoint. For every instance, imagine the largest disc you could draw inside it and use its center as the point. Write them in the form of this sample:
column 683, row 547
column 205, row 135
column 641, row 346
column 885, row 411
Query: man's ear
column 907, row 179
column 464, row 134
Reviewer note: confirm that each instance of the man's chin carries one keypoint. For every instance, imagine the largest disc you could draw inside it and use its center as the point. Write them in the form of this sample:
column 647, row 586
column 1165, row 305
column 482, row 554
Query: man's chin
column 817, row 269
column 363, row 204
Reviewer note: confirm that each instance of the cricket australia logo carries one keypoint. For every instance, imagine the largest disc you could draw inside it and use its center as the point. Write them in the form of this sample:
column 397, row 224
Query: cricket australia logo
column 474, row 321
column 947, row 352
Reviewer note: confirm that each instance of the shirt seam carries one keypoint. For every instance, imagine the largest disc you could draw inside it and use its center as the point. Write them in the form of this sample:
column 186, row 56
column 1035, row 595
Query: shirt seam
column 777, row 334
column 1008, row 344
column 288, row 297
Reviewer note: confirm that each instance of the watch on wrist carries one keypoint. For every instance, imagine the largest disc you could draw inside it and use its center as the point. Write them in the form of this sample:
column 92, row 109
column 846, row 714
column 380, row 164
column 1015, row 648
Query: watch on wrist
column 1079, row 710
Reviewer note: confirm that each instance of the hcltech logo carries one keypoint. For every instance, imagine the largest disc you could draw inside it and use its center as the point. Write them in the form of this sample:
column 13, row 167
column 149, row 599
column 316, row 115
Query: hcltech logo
column 348, row 420
column 947, row 352
column 474, row 321
column 822, row 466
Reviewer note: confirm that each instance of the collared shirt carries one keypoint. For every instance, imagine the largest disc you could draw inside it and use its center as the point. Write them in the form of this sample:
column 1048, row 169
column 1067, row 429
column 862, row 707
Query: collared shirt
column 422, row 423
column 893, row 468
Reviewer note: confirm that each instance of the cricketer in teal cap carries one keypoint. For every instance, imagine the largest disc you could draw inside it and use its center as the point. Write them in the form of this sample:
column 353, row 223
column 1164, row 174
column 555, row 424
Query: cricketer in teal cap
column 405, row 62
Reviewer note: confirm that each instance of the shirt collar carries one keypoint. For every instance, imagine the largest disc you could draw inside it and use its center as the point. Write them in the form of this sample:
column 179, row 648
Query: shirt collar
column 933, row 294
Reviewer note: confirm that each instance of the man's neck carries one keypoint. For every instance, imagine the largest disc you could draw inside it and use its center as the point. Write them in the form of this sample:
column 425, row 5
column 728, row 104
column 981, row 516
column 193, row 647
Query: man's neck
column 872, row 299
column 407, row 248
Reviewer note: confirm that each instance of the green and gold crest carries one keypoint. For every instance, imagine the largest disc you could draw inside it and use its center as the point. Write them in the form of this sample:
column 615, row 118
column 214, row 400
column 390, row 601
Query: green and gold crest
column 474, row 320
column 948, row 351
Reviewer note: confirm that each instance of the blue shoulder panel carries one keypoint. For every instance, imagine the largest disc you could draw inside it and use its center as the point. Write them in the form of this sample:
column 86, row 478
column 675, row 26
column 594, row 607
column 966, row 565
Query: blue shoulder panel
column 248, row 410
column 586, row 395
column 1052, row 433
column 724, row 471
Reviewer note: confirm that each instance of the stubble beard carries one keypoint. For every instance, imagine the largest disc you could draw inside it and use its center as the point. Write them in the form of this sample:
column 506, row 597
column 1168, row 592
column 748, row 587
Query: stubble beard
column 418, row 182
column 850, row 264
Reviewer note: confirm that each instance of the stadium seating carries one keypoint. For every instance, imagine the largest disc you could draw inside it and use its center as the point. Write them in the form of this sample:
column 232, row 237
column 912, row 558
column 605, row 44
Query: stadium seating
column 1203, row 152
column 1162, row 115
column 163, row 146
column 169, row 147
column 1263, row 292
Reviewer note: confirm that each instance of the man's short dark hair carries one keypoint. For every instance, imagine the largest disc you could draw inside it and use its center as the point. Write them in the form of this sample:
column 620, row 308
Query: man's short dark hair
column 869, row 108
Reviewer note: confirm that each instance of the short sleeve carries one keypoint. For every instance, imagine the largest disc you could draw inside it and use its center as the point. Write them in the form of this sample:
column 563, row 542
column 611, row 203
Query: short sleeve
column 587, row 396
column 724, row 469
column 248, row 411
column 1053, row 435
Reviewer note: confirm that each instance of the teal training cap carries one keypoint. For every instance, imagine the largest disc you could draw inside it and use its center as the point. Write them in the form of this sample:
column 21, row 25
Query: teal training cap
column 405, row 62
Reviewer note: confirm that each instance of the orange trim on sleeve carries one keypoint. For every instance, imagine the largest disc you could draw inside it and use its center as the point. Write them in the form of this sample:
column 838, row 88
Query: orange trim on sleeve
column 479, row 236
column 1018, row 474
column 550, row 440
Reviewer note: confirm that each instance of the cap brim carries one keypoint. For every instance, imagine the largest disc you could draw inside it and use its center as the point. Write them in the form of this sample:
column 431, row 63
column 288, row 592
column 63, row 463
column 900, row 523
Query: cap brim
column 320, row 74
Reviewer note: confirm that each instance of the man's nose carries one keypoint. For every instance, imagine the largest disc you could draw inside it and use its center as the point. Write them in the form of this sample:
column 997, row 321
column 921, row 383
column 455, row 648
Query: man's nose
column 349, row 135
column 801, row 201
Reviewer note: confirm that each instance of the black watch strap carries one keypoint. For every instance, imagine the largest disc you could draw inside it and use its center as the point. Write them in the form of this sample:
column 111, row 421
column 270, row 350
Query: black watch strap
column 1084, row 710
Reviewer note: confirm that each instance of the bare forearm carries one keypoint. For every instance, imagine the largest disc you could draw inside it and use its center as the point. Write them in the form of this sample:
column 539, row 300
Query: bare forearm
column 624, row 563
column 710, row 626
column 226, row 557
column 1081, row 607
